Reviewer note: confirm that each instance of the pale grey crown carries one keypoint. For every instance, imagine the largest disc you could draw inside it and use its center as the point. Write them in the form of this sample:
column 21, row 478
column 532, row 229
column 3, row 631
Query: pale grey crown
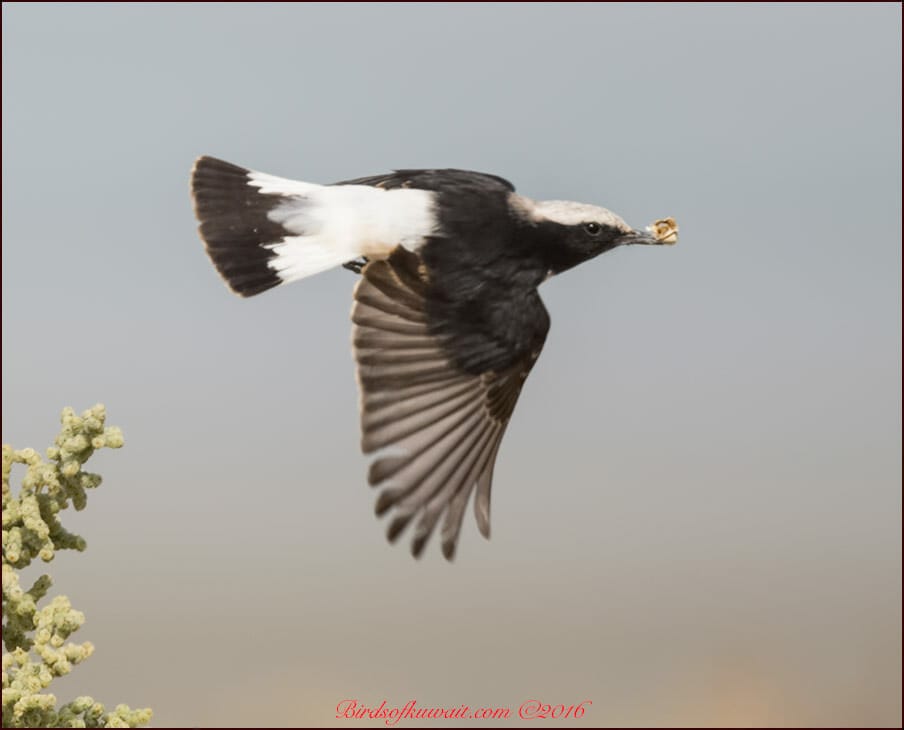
column 566, row 212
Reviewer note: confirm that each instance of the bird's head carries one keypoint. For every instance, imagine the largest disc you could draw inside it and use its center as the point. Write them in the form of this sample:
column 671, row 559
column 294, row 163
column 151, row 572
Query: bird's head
column 576, row 232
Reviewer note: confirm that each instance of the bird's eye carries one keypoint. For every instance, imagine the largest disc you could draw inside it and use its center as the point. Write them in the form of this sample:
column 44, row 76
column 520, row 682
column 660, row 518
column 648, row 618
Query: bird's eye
column 593, row 228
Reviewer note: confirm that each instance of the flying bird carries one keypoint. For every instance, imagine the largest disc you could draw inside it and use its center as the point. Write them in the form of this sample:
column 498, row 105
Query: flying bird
column 447, row 320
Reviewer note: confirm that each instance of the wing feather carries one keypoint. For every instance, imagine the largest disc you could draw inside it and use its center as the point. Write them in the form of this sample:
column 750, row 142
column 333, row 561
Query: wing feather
column 460, row 481
column 443, row 422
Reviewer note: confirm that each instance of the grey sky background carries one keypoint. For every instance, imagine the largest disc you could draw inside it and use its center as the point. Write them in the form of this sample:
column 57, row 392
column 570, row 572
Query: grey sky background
column 697, row 508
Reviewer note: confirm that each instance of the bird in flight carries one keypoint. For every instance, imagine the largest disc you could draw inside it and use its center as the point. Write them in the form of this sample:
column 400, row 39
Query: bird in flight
column 447, row 320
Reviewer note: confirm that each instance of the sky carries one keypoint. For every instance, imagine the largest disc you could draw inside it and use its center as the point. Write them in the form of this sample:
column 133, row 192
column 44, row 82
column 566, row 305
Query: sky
column 696, row 513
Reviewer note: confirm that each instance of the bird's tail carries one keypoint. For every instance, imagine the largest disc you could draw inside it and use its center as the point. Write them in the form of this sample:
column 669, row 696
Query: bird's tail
column 261, row 231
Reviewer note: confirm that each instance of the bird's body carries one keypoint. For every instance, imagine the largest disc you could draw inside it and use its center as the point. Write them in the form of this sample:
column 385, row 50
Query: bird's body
column 447, row 318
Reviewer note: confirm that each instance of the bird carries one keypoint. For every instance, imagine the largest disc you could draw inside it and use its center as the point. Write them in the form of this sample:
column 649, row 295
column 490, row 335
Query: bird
column 447, row 321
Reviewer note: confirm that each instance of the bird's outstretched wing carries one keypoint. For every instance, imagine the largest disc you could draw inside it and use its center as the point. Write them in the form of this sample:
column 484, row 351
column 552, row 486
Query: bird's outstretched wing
column 439, row 382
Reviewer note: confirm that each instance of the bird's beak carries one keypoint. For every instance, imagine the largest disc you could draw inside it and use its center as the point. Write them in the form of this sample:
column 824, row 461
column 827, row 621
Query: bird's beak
column 641, row 237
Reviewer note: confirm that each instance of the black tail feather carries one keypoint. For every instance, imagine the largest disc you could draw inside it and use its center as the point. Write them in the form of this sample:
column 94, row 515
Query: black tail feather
column 235, row 226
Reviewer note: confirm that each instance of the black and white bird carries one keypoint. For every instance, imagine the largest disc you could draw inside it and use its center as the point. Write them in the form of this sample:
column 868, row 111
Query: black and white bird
column 447, row 320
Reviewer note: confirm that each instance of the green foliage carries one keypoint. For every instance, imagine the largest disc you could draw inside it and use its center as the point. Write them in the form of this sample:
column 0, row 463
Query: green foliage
column 35, row 638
